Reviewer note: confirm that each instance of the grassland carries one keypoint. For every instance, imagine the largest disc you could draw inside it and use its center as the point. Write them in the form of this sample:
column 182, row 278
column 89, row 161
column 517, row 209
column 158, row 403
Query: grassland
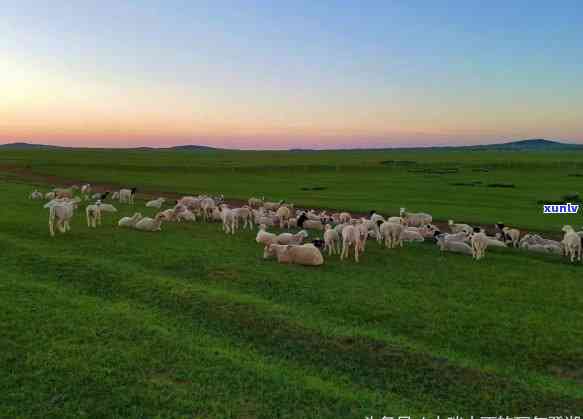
column 189, row 323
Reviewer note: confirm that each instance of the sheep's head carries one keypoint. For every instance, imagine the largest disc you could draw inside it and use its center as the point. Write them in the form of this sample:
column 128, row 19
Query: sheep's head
column 450, row 222
column 567, row 229
column 304, row 233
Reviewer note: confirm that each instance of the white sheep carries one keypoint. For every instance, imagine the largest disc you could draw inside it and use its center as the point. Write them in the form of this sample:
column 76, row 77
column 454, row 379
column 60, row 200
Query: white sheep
column 272, row 205
column 228, row 219
column 453, row 246
column 415, row 219
column 243, row 215
column 392, row 234
column 409, row 234
column 265, row 238
column 185, row 215
column 127, row 196
column 130, row 221
column 255, row 203
column 479, row 243
column 344, row 217
column 156, row 203
column 208, row 205
column 456, row 228
column 572, row 243
column 150, row 224
column 283, row 213
column 288, row 238
column 331, row 240
column 350, row 238
column 306, row 254
column 508, row 234
column 61, row 212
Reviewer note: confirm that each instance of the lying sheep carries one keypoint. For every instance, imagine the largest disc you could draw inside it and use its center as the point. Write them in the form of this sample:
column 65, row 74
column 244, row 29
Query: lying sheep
column 453, row 246
column 415, row 219
column 265, row 238
column 306, row 254
column 156, row 203
column 457, row 228
column 185, row 215
column 150, row 224
column 331, row 240
column 409, row 235
column 507, row 234
column 130, row 221
column 288, row 238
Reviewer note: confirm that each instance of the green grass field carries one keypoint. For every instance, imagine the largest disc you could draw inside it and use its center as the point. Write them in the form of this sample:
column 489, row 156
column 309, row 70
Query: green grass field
column 189, row 323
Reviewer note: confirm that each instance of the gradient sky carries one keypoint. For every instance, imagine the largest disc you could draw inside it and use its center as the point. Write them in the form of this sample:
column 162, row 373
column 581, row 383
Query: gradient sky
column 290, row 74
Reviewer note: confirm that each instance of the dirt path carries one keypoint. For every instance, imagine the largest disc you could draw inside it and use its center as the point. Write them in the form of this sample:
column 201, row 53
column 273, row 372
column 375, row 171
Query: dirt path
column 51, row 180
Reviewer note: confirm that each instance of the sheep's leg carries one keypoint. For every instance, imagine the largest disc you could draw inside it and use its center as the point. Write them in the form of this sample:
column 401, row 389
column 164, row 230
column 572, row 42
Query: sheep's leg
column 51, row 228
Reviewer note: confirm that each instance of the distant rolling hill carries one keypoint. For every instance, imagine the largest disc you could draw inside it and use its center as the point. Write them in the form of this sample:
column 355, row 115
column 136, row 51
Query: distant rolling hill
column 520, row 145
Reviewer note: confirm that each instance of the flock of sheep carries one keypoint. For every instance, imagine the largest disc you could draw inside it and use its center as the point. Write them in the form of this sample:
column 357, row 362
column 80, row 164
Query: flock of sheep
column 341, row 233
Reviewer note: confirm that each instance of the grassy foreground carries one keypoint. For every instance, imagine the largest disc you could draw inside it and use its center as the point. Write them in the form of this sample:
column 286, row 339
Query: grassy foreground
column 191, row 323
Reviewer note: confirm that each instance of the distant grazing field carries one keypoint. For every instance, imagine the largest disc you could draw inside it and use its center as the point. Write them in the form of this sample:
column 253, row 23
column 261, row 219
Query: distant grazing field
column 190, row 323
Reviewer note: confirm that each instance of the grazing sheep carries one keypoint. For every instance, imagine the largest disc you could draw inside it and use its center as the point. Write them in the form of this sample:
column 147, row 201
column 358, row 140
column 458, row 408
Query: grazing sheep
column 228, row 219
column 392, row 234
column 306, row 254
column 479, row 243
column 150, row 224
column 350, row 238
column 507, row 234
column 61, row 211
column 156, row 203
column 453, row 246
column 127, row 196
column 456, row 228
column 288, row 238
column 265, row 238
column 572, row 243
column 415, row 219
column 283, row 213
column 245, row 216
column 130, row 221
column 35, row 195
column 331, row 240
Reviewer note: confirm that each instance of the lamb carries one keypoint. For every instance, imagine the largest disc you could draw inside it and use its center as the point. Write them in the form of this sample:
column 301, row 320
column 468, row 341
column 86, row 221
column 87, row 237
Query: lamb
column 127, row 196
column 168, row 214
column 350, row 238
column 265, row 238
column 185, row 215
column 60, row 212
column 207, row 206
column 288, row 238
column 408, row 234
column 130, row 221
column 283, row 213
column 507, row 234
column 392, row 234
column 331, row 240
column 306, row 254
column 456, row 228
column 35, row 195
column 453, row 246
column 344, row 217
column 156, row 203
column 245, row 216
column 415, row 219
column 150, row 224
column 398, row 220
column 479, row 243
column 94, row 211
column 228, row 219
column 459, row 237
column 572, row 243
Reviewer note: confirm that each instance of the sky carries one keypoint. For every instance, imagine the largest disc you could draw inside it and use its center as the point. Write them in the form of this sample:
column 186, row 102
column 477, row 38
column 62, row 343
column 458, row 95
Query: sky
column 290, row 74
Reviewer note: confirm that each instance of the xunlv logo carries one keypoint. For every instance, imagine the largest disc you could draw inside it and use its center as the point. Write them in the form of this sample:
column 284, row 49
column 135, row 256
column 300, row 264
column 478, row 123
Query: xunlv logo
column 567, row 208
